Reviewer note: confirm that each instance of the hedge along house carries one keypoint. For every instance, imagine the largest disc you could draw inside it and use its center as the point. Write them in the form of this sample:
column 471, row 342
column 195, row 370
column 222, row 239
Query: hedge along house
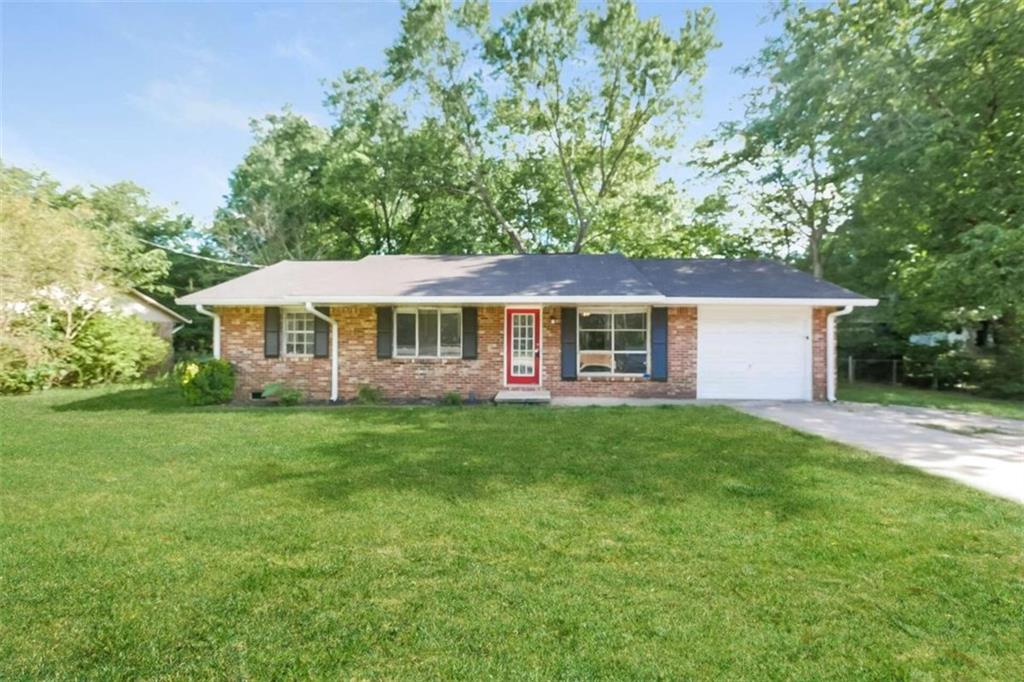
column 530, row 326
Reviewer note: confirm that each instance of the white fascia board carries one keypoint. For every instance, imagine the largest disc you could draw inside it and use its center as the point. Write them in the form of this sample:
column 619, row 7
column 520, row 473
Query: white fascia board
column 525, row 300
column 425, row 300
column 818, row 302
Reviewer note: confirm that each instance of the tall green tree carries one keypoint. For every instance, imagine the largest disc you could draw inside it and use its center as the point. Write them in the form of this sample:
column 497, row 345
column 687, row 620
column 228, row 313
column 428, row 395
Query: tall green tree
column 274, row 209
column 589, row 101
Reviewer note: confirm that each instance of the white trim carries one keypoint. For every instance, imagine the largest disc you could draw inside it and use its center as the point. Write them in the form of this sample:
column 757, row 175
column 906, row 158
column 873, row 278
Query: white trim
column 814, row 302
column 158, row 305
column 611, row 310
column 830, row 349
column 526, row 301
column 216, row 328
column 334, row 347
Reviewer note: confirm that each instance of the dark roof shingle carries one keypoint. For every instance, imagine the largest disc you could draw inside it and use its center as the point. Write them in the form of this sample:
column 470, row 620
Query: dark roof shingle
column 564, row 276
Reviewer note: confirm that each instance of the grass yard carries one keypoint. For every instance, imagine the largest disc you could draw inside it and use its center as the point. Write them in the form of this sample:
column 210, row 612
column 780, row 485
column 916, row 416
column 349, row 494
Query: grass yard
column 919, row 397
column 143, row 539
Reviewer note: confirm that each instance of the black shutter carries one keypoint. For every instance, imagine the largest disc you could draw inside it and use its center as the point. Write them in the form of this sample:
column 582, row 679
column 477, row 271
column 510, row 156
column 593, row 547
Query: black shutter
column 569, row 344
column 659, row 344
column 469, row 333
column 321, row 334
column 385, row 318
column 271, row 332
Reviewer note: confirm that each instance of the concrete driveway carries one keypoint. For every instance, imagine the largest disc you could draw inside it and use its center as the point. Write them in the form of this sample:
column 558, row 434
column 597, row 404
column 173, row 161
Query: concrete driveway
column 984, row 452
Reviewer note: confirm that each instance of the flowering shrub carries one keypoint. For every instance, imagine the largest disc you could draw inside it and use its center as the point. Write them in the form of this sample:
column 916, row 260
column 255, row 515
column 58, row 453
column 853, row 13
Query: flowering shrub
column 205, row 382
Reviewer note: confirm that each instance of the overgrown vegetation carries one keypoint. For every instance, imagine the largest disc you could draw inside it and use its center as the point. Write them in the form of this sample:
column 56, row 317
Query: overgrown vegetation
column 452, row 399
column 369, row 395
column 205, row 382
column 283, row 394
column 412, row 543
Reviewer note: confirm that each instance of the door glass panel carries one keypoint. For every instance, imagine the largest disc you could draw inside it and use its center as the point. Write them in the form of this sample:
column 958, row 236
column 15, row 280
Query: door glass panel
column 523, row 344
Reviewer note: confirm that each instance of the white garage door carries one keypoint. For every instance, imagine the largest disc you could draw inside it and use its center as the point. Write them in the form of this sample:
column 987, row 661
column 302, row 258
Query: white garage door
column 761, row 352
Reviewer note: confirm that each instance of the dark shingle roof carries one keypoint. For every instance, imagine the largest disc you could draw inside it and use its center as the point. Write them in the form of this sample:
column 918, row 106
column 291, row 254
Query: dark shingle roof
column 481, row 278
column 735, row 278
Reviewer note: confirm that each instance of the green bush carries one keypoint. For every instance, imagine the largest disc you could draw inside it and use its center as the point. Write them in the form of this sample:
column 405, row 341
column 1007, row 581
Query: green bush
column 1005, row 377
column 369, row 395
column 283, row 394
column 451, row 398
column 208, row 382
column 114, row 349
column 21, row 372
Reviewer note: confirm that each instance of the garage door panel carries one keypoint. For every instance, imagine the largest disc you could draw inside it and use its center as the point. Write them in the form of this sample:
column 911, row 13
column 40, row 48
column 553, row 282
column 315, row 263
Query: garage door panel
column 753, row 353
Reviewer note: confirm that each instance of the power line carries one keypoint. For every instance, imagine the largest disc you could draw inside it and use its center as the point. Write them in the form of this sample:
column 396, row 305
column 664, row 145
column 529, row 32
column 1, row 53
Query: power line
column 197, row 256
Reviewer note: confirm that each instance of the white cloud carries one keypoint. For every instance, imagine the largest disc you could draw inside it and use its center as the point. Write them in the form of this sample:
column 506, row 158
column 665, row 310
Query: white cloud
column 183, row 103
column 298, row 50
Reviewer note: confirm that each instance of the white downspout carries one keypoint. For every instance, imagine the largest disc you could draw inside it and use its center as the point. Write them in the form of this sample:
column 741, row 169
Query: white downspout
column 334, row 348
column 830, row 344
column 216, row 328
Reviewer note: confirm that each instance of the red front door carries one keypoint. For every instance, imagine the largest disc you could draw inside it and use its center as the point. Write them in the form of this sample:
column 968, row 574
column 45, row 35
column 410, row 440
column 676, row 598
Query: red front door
column 522, row 346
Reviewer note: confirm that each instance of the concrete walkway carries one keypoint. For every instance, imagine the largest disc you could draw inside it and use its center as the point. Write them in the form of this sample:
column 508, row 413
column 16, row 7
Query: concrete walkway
column 984, row 452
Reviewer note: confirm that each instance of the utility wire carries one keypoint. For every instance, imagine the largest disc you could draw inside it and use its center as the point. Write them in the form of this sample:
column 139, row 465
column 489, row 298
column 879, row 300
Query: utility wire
column 196, row 255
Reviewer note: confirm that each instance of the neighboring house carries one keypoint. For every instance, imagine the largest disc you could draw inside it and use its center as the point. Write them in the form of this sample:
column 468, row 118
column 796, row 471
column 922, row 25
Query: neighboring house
column 974, row 338
column 550, row 325
column 164, row 320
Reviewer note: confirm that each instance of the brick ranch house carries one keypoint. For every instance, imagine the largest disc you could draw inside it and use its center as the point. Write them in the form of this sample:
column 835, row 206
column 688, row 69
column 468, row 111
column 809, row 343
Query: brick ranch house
column 530, row 326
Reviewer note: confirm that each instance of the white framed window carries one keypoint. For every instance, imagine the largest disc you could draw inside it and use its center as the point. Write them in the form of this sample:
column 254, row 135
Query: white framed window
column 613, row 342
column 299, row 326
column 428, row 333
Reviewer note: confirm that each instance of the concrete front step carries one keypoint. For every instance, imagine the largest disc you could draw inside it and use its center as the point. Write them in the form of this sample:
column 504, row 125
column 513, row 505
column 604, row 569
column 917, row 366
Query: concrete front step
column 523, row 397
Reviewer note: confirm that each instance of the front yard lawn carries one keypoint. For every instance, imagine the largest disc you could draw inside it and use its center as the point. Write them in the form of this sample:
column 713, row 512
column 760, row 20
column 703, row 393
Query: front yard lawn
column 919, row 397
column 143, row 539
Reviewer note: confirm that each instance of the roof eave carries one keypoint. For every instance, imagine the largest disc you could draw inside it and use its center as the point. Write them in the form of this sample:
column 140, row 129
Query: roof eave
column 644, row 299
column 763, row 300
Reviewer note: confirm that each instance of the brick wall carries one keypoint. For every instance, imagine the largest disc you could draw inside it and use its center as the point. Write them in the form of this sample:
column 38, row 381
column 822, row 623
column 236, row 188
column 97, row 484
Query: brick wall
column 410, row 379
column 241, row 343
column 819, row 352
column 399, row 379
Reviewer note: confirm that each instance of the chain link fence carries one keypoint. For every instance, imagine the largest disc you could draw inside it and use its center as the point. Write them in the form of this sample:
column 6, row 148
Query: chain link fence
column 960, row 371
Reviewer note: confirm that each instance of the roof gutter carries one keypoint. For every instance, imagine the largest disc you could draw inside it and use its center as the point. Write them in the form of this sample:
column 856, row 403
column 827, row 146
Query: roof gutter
column 830, row 344
column 216, row 328
column 334, row 347
column 644, row 299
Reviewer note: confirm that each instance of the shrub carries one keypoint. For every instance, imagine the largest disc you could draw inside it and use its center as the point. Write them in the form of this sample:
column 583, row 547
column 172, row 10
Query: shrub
column 285, row 395
column 115, row 349
column 369, row 395
column 21, row 372
column 451, row 398
column 208, row 382
column 1004, row 378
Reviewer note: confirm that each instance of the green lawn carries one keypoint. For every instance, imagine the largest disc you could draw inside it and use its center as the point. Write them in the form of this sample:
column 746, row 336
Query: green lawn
column 919, row 397
column 142, row 539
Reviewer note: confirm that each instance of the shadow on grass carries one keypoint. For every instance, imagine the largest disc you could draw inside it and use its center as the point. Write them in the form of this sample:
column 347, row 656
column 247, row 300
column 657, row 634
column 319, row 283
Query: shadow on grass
column 650, row 456
column 148, row 399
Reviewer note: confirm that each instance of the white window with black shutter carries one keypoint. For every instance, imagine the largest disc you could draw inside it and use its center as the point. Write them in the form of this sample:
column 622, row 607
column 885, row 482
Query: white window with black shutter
column 613, row 342
column 299, row 327
column 428, row 333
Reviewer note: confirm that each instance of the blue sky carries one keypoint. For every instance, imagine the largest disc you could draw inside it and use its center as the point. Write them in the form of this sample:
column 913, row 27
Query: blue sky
column 161, row 94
